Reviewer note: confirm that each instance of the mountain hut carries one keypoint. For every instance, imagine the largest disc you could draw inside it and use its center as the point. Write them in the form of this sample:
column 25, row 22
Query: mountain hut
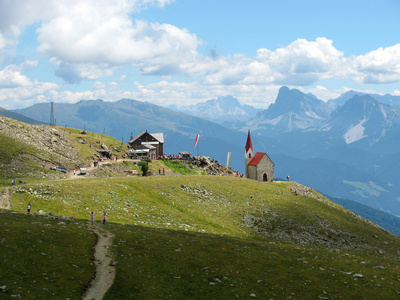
column 148, row 144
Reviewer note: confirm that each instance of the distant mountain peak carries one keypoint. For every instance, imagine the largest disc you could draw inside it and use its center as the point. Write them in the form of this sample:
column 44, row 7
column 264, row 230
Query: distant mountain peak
column 342, row 99
column 293, row 110
column 362, row 117
column 224, row 109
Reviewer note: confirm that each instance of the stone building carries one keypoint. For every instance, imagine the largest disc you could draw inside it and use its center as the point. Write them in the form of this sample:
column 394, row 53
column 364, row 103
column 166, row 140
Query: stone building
column 151, row 143
column 258, row 166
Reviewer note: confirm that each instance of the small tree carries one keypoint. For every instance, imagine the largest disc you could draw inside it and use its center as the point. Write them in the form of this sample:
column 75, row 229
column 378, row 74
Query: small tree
column 144, row 166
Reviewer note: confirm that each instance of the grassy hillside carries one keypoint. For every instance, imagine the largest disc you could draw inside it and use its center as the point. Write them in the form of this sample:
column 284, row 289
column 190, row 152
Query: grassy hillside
column 156, row 263
column 218, row 237
column 27, row 151
column 44, row 258
column 181, row 237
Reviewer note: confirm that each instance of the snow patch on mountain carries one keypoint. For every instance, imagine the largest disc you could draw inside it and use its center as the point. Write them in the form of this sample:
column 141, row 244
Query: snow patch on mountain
column 355, row 133
column 383, row 111
column 273, row 121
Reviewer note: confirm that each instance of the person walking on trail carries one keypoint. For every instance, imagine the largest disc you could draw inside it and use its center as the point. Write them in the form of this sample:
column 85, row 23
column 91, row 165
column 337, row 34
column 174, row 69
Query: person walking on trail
column 29, row 207
column 92, row 217
column 288, row 178
column 13, row 182
column 104, row 218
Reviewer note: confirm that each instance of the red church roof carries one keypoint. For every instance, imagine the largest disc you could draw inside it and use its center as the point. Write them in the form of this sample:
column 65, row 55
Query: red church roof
column 256, row 159
column 249, row 145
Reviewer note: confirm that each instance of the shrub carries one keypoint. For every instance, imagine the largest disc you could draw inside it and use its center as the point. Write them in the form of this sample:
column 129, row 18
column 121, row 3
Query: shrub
column 144, row 166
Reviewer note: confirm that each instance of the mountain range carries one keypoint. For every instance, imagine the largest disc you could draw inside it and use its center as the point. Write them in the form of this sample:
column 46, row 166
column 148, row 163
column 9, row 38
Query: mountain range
column 345, row 148
column 292, row 111
column 226, row 111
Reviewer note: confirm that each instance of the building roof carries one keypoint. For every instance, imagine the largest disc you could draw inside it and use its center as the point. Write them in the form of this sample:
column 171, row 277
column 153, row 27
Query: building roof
column 146, row 146
column 256, row 159
column 249, row 145
column 157, row 136
column 137, row 136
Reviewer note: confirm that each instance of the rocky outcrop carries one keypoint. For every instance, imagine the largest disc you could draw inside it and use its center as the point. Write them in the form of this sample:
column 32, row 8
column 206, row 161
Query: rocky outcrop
column 54, row 148
column 212, row 167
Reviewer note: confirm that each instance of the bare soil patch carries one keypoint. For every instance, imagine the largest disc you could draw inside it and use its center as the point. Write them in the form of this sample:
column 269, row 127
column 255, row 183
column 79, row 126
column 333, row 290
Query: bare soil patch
column 105, row 272
column 5, row 199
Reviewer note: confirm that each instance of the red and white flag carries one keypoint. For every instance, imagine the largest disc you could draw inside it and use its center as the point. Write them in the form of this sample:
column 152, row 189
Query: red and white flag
column 197, row 139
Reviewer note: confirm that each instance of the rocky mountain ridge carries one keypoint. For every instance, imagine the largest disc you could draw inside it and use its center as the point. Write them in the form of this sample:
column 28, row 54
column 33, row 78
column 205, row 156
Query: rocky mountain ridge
column 223, row 110
column 292, row 111
column 352, row 159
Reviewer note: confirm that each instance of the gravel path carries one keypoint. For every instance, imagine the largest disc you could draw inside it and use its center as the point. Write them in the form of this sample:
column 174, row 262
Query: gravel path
column 5, row 199
column 105, row 273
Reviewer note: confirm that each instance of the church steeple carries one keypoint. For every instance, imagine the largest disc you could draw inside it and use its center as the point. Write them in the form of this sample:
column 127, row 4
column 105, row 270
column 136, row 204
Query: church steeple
column 249, row 145
column 248, row 152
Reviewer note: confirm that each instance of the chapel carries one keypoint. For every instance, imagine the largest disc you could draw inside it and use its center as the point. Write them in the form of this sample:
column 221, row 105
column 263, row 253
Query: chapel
column 258, row 166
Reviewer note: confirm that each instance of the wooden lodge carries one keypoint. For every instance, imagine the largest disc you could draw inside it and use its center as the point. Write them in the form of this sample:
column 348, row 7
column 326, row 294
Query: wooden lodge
column 147, row 145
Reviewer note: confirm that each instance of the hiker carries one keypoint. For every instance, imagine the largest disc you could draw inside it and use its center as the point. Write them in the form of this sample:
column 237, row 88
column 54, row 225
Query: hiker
column 92, row 217
column 13, row 182
column 104, row 218
column 29, row 207
column 288, row 178
column 74, row 172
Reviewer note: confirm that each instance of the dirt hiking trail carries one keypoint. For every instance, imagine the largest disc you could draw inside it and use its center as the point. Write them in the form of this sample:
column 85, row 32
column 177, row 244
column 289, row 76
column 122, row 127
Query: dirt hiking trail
column 5, row 199
column 105, row 273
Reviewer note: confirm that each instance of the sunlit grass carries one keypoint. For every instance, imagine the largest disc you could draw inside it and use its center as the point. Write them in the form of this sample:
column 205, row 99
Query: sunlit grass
column 185, row 237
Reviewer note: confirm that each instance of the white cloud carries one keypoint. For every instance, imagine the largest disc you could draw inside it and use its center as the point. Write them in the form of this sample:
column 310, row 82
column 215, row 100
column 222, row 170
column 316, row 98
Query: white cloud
column 166, row 93
column 99, row 85
column 377, row 67
column 11, row 77
column 75, row 72
column 18, row 90
column 91, row 39
column 322, row 92
column 27, row 95
column 301, row 63
column 88, row 32
column 2, row 41
column 102, row 33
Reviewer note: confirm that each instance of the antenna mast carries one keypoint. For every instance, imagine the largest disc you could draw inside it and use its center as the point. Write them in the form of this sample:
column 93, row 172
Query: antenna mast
column 52, row 123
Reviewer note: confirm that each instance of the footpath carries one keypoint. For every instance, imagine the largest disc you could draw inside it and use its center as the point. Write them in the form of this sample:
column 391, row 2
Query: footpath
column 5, row 199
column 105, row 272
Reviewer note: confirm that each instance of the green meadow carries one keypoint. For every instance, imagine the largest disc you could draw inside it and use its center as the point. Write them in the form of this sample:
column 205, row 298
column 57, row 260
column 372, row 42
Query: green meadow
column 185, row 235
column 189, row 237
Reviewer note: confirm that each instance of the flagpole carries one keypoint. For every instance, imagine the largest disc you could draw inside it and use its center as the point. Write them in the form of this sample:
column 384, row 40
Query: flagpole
column 196, row 144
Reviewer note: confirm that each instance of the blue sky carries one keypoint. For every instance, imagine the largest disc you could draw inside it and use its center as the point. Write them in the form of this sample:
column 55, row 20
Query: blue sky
column 186, row 51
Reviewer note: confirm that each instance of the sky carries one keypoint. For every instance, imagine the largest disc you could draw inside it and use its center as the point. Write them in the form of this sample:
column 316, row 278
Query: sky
column 181, row 52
